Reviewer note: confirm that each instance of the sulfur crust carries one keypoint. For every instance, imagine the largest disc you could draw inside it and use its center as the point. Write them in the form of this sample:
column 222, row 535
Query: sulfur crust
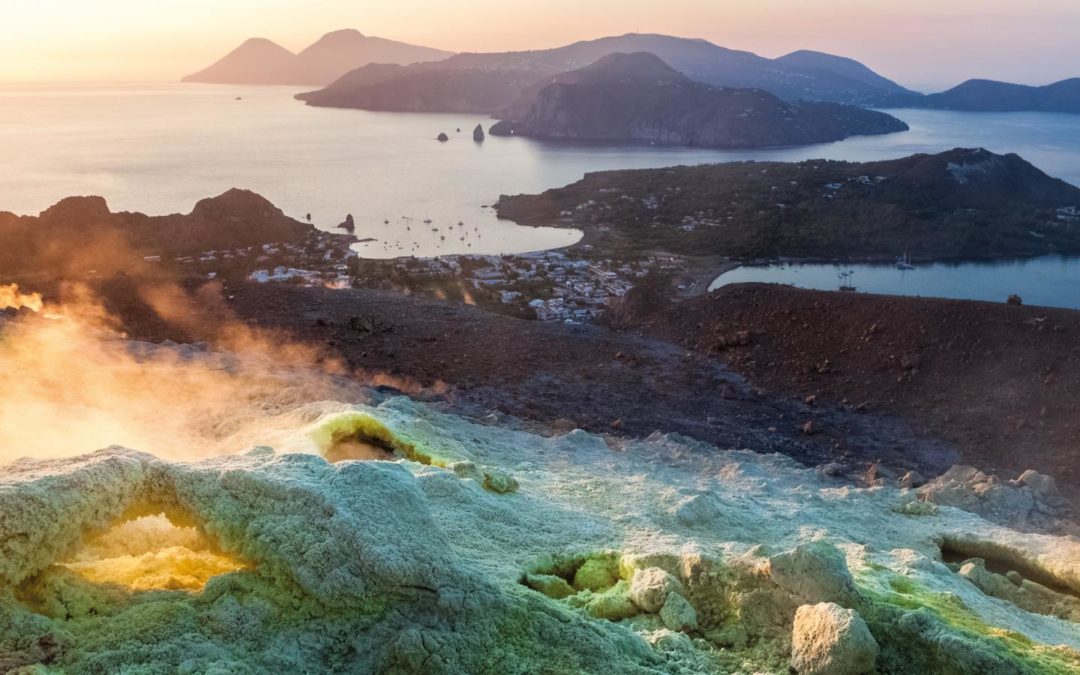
column 294, row 564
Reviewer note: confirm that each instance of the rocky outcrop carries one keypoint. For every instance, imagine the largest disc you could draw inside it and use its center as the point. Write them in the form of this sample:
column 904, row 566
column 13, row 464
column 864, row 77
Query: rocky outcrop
column 650, row 589
column 1031, row 502
column 442, row 138
column 82, row 232
column 814, row 572
column 349, row 225
column 830, row 640
column 1024, row 593
column 478, row 133
column 678, row 614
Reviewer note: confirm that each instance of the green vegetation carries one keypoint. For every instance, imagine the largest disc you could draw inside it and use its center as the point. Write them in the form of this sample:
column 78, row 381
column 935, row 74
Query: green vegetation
column 904, row 612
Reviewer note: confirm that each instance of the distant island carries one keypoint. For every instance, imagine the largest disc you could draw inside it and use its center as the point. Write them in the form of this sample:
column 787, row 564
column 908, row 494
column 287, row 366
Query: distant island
column 490, row 82
column 261, row 61
column 964, row 203
column 639, row 98
column 486, row 83
column 991, row 96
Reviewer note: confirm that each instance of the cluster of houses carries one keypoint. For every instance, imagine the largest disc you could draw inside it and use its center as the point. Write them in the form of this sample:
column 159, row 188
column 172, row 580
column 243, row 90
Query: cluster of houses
column 556, row 286
column 321, row 261
column 1069, row 214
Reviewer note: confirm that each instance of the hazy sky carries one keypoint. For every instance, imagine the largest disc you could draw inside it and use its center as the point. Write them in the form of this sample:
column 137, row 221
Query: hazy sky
column 920, row 43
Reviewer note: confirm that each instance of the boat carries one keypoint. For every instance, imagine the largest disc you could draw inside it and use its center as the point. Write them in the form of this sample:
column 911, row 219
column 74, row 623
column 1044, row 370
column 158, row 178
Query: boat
column 904, row 262
column 845, row 281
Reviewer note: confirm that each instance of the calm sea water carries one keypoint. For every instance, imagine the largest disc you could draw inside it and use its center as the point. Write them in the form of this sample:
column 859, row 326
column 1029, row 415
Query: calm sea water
column 160, row 148
column 1048, row 281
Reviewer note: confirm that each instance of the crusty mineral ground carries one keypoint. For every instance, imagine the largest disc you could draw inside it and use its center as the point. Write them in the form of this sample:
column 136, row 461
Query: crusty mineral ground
column 481, row 549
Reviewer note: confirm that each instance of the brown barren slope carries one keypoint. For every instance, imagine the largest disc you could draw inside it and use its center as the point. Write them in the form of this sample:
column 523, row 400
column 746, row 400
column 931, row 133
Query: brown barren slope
column 1000, row 382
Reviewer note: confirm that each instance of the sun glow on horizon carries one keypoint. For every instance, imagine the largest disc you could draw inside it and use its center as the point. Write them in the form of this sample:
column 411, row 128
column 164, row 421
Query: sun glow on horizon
column 916, row 42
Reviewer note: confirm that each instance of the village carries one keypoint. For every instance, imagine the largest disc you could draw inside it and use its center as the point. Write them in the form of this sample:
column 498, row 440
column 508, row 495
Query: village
column 324, row 259
column 547, row 286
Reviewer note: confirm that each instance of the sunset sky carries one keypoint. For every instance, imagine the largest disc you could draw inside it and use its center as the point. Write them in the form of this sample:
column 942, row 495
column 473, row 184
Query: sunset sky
column 921, row 43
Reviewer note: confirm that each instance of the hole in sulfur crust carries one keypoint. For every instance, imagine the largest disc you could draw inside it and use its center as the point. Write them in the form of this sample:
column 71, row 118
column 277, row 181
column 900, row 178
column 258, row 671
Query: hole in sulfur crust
column 151, row 553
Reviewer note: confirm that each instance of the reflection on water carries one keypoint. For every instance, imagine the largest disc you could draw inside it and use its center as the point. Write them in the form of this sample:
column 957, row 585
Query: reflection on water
column 1049, row 281
column 160, row 148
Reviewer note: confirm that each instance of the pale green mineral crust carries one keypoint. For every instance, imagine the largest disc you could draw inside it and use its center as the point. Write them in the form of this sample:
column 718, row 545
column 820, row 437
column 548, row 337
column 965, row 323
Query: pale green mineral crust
column 480, row 549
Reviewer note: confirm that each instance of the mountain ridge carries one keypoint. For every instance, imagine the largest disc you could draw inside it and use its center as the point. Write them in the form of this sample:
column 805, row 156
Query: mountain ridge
column 982, row 95
column 500, row 78
column 639, row 98
column 262, row 61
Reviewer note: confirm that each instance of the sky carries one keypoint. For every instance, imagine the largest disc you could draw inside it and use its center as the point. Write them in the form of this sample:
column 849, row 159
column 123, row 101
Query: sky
column 923, row 44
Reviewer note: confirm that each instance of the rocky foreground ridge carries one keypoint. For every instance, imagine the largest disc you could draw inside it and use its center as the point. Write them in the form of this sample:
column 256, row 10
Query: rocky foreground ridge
column 83, row 232
column 476, row 548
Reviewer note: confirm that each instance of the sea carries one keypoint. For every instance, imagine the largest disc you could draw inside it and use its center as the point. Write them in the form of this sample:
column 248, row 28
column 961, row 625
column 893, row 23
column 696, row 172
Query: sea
column 1046, row 281
column 159, row 148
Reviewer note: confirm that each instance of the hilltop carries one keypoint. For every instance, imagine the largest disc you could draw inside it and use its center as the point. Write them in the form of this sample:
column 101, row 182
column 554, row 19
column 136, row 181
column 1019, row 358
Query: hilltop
column 261, row 61
column 992, row 96
column 637, row 97
column 964, row 203
column 82, row 233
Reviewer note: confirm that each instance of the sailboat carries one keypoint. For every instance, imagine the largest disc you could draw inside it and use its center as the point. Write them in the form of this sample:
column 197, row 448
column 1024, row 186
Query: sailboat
column 904, row 262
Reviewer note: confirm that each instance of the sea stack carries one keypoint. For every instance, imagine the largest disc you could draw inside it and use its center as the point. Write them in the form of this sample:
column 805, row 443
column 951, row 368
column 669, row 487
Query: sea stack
column 349, row 225
column 478, row 133
column 442, row 138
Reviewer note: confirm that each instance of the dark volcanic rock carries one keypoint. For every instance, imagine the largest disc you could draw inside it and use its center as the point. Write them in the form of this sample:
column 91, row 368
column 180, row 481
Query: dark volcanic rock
column 442, row 138
column 983, row 367
column 478, row 133
column 552, row 372
column 349, row 225
column 637, row 97
column 85, row 210
column 80, row 233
